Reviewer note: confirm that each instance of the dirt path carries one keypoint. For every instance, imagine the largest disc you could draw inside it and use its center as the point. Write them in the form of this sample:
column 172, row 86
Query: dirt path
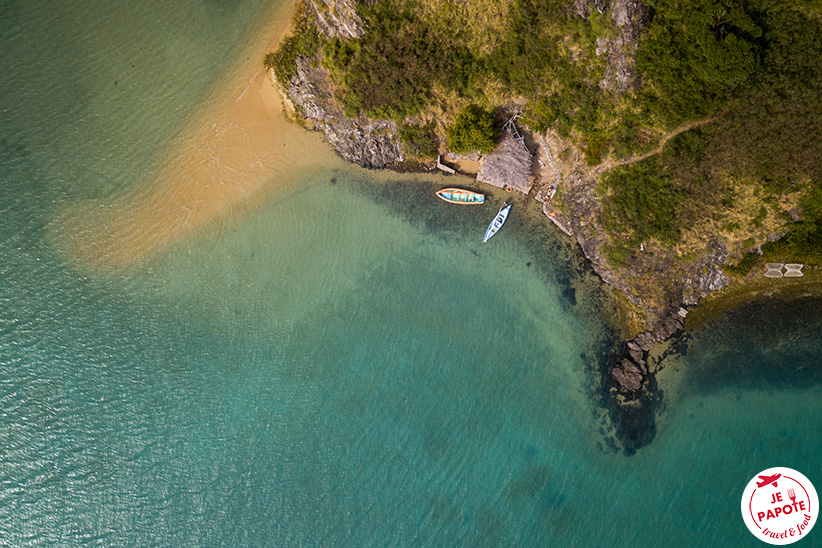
column 611, row 163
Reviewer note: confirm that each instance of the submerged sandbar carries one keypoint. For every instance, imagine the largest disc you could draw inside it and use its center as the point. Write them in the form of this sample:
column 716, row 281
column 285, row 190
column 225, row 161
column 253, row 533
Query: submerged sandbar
column 235, row 144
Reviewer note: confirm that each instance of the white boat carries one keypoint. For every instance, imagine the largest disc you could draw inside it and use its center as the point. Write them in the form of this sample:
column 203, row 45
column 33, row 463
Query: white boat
column 497, row 222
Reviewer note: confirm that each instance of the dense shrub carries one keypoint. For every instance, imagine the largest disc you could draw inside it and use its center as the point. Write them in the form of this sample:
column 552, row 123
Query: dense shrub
column 420, row 141
column 694, row 54
column 745, row 265
column 642, row 204
column 390, row 71
column 473, row 130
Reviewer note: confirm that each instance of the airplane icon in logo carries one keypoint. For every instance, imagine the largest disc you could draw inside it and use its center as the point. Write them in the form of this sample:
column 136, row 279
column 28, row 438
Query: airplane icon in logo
column 767, row 480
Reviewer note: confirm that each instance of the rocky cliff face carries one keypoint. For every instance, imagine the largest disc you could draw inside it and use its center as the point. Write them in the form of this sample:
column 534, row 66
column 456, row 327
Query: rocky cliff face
column 369, row 143
column 337, row 18
column 629, row 18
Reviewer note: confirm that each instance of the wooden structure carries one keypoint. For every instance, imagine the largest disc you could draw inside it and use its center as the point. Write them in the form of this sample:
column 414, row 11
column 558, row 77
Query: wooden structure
column 509, row 165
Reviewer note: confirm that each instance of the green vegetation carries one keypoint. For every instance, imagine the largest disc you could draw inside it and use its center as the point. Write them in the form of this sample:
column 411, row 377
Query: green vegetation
column 694, row 57
column 420, row 141
column 472, row 130
column 745, row 265
column 765, row 139
column 659, row 197
column 304, row 41
column 694, row 54
column 419, row 53
column 804, row 241
column 389, row 72
column 617, row 256
column 751, row 67
column 642, row 205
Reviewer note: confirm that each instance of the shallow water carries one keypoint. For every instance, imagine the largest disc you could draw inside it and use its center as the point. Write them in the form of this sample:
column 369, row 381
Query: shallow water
column 342, row 364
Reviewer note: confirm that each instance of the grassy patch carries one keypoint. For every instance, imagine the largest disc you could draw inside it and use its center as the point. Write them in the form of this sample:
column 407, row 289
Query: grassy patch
column 617, row 255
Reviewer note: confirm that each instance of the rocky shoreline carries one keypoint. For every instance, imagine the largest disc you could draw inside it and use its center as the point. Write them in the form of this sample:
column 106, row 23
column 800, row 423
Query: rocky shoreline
column 657, row 284
column 368, row 143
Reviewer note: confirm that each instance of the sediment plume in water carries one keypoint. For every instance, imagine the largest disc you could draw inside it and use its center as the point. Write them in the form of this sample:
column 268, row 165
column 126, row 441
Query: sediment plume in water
column 234, row 146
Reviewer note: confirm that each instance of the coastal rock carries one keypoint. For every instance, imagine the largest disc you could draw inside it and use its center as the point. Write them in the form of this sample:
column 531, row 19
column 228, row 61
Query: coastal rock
column 368, row 143
column 628, row 375
column 644, row 340
column 337, row 18
column 638, row 356
column 672, row 325
column 778, row 235
column 706, row 275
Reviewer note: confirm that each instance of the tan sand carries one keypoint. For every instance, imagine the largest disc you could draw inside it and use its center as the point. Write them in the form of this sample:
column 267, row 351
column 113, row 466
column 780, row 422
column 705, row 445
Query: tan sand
column 237, row 145
column 466, row 166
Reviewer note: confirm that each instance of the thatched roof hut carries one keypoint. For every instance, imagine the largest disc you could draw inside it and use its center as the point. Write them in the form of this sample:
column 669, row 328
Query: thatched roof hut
column 509, row 166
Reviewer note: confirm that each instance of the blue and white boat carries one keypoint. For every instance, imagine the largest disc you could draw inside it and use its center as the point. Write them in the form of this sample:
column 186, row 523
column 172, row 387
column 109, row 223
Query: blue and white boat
column 497, row 222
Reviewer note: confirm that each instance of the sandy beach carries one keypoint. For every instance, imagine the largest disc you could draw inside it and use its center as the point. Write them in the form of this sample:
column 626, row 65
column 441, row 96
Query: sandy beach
column 235, row 145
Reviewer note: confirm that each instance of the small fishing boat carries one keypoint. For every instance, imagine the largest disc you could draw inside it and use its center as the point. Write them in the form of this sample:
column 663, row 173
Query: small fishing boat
column 460, row 196
column 497, row 222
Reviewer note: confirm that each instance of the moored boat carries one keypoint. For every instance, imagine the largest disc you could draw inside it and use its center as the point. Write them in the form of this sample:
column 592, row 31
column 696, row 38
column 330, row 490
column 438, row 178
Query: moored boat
column 460, row 196
column 497, row 222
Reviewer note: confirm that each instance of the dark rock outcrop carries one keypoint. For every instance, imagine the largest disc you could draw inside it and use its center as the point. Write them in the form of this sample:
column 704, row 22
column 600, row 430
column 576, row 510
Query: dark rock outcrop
column 629, row 374
column 585, row 7
column 654, row 280
column 369, row 143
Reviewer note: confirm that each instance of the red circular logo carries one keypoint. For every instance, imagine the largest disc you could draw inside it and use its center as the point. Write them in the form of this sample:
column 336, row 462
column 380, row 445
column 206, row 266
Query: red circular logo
column 780, row 506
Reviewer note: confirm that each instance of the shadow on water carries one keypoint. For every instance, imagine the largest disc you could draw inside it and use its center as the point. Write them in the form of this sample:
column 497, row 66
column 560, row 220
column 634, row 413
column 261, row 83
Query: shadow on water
column 630, row 419
column 768, row 344
column 629, row 424
column 558, row 259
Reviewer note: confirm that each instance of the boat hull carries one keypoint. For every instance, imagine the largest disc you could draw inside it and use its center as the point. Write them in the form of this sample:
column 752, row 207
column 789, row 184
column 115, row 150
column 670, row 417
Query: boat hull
column 498, row 221
column 460, row 196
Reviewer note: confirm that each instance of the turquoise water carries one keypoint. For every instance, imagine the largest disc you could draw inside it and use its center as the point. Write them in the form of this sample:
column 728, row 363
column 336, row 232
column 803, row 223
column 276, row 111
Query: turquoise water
column 345, row 365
